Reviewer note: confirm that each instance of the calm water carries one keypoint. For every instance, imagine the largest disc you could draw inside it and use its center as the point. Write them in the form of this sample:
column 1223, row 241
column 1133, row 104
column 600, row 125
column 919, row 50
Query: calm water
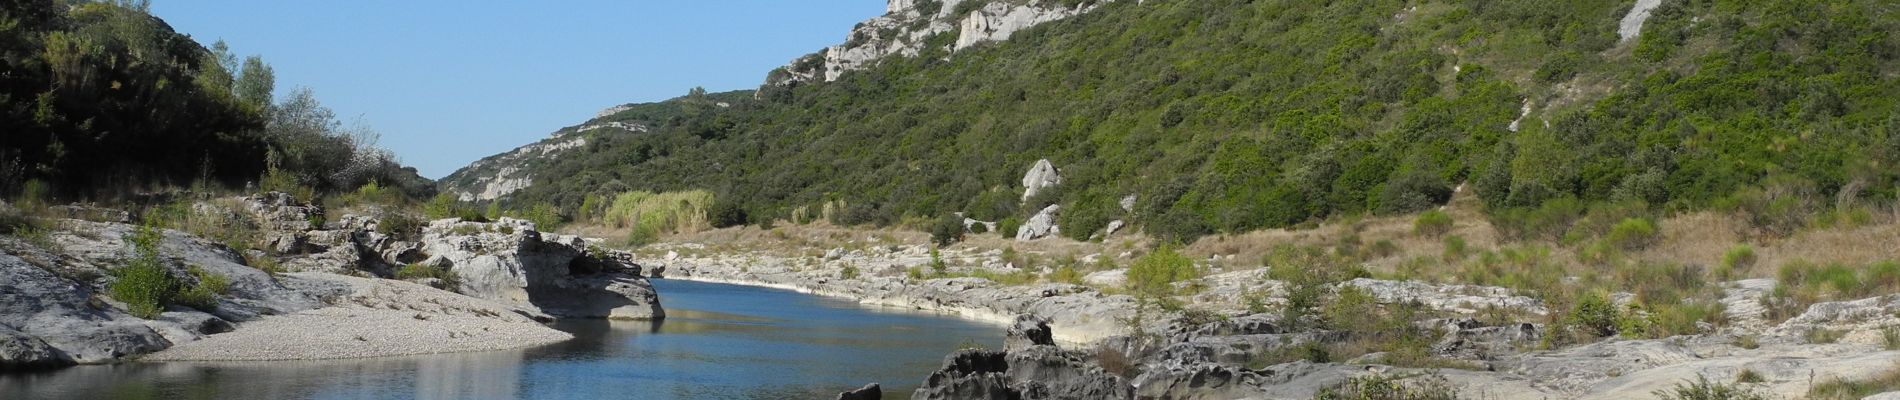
column 718, row 342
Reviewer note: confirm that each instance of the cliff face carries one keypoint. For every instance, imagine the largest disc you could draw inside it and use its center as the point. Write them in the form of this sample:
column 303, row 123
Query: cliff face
column 909, row 26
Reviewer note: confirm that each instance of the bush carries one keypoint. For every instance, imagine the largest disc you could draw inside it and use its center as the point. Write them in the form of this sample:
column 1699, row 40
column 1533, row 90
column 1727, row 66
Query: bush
column 1065, row 274
column 421, row 271
column 546, row 217
column 1455, row 248
column 849, row 272
column 1008, row 226
column 143, row 283
column 1156, row 273
column 979, row 228
column 443, row 205
column 400, row 226
column 725, row 214
column 651, row 214
column 1595, row 314
column 1432, row 223
column 1633, row 234
column 946, row 230
column 1742, row 256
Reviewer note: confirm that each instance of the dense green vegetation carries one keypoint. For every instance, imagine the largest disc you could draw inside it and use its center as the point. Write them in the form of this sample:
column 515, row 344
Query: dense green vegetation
column 1227, row 116
column 101, row 100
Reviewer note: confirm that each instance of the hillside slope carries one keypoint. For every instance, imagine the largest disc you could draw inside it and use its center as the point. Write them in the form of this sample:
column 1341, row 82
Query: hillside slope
column 1234, row 115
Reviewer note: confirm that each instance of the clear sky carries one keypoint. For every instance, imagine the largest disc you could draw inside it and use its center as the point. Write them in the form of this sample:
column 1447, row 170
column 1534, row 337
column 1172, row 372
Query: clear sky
column 449, row 82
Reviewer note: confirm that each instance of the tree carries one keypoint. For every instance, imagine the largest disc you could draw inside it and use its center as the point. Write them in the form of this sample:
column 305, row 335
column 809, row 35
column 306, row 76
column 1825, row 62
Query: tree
column 255, row 83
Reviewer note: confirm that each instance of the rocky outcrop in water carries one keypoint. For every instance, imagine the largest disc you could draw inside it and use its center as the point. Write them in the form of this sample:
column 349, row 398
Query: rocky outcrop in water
column 509, row 261
column 868, row 392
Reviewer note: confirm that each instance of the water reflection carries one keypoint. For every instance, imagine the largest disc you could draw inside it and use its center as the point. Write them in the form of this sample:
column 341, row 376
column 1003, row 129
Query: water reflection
column 719, row 342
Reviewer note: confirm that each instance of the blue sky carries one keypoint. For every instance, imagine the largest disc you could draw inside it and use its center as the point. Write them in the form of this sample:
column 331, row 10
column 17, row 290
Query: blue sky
column 449, row 82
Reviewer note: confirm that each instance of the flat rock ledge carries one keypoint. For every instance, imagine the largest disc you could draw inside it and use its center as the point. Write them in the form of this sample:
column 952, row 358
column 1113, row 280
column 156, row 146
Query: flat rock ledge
column 373, row 318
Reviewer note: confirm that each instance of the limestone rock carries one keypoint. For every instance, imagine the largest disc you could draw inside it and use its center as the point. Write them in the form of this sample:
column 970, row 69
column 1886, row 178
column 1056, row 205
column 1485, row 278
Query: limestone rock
column 508, row 261
column 1110, row 278
column 868, row 392
column 1128, row 203
column 1041, row 176
column 1028, row 331
column 278, row 211
column 1113, row 226
column 51, row 321
column 1043, row 224
column 998, row 21
column 1453, row 298
column 20, row 352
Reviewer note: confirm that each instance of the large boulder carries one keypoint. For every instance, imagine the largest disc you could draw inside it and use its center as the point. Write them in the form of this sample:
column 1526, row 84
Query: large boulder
column 49, row 321
column 1030, row 368
column 1028, row 331
column 278, row 211
column 509, row 261
column 1041, row 176
column 1040, row 226
column 868, row 392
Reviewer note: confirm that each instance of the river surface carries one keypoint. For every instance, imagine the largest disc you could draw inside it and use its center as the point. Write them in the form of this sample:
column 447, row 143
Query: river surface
column 717, row 342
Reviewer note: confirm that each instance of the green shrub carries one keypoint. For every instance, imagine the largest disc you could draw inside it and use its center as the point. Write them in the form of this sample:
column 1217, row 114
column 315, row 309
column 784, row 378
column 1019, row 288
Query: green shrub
column 1432, row 223
column 849, row 272
column 1742, row 256
column 937, row 266
column 1633, row 234
column 1595, row 314
column 1065, row 274
column 443, row 205
column 1156, row 273
column 1454, row 249
column 143, row 283
column 979, row 228
column 400, row 226
column 420, row 271
column 1008, row 226
column 725, row 214
column 546, row 217
column 946, row 230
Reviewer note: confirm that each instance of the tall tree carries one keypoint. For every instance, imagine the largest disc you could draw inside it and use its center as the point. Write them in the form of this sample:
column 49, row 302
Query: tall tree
column 255, row 83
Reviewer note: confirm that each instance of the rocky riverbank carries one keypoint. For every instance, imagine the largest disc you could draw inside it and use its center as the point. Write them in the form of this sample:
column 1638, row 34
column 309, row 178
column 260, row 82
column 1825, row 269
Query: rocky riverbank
column 1481, row 342
column 302, row 288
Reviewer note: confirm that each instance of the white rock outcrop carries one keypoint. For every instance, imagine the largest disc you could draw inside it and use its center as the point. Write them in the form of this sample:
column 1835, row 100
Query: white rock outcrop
column 1041, row 176
column 1632, row 24
column 1040, row 226
column 508, row 261
column 904, row 28
column 997, row 21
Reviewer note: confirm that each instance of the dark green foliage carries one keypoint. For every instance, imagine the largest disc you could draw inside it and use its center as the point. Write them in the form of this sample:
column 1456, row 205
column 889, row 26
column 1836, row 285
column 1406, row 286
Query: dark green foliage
column 1595, row 315
column 1008, row 226
column 401, row 226
column 946, row 230
column 1234, row 115
column 725, row 214
column 100, row 98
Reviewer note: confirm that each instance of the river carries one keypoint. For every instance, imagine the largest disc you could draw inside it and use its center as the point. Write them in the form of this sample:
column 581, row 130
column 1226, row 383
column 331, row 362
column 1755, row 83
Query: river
column 718, row 342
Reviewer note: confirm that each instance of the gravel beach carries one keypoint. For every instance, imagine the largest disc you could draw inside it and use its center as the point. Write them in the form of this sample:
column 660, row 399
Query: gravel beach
column 373, row 318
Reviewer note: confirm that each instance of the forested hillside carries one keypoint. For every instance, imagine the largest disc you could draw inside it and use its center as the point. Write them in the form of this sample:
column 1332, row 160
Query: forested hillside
column 100, row 99
column 1234, row 115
